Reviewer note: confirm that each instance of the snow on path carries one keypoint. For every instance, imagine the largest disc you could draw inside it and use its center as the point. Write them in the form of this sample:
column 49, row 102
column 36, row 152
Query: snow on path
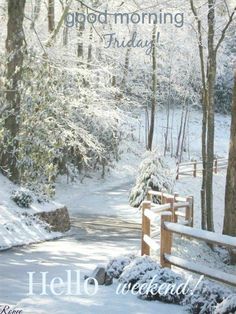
column 83, row 251
column 91, row 246
column 96, row 197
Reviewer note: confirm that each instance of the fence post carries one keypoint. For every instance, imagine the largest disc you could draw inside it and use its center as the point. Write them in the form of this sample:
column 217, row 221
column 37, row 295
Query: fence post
column 175, row 217
column 149, row 196
column 195, row 169
column 166, row 239
column 145, row 249
column 216, row 166
column 172, row 208
column 189, row 211
column 162, row 197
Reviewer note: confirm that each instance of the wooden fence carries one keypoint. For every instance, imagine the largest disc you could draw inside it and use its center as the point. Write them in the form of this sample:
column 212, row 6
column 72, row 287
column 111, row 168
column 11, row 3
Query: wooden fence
column 168, row 215
column 194, row 167
column 178, row 206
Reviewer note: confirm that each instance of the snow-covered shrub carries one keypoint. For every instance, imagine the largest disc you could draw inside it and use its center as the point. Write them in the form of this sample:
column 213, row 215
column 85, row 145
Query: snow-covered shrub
column 22, row 198
column 165, row 283
column 143, row 272
column 116, row 266
column 65, row 123
column 137, row 269
column 228, row 306
column 153, row 173
column 205, row 298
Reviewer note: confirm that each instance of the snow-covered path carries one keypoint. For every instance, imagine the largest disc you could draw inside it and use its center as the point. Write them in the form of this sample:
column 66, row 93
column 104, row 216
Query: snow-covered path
column 83, row 250
column 100, row 212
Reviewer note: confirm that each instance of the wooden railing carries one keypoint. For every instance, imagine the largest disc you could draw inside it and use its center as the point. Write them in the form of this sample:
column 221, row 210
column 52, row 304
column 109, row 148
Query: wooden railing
column 178, row 207
column 194, row 167
column 168, row 217
column 169, row 228
column 174, row 203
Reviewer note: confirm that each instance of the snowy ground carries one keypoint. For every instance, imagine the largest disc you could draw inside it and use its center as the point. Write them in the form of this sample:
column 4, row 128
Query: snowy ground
column 82, row 251
column 92, row 241
column 17, row 225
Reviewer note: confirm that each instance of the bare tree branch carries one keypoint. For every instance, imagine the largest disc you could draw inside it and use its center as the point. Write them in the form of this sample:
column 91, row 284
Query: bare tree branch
column 225, row 30
column 57, row 29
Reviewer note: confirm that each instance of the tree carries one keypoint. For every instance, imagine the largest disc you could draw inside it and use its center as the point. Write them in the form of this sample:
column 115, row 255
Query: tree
column 51, row 15
column 154, row 88
column 36, row 11
column 15, row 55
column 230, row 195
column 208, row 75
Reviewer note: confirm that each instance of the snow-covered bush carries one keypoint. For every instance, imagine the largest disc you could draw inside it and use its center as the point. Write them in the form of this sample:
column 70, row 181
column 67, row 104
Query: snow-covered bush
column 22, row 198
column 145, row 272
column 137, row 269
column 205, row 298
column 65, row 123
column 153, row 173
column 228, row 306
column 116, row 266
column 170, row 281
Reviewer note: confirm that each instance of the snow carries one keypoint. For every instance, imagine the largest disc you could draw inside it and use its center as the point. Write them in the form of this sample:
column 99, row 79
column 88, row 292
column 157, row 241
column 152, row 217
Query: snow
column 227, row 306
column 201, row 269
column 17, row 225
column 153, row 173
column 206, row 297
column 212, row 237
column 84, row 248
column 83, row 252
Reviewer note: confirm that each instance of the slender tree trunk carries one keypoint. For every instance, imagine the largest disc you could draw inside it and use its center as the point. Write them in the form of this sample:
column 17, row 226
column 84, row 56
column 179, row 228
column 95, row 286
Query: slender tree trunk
column 126, row 68
column 59, row 24
column 14, row 48
column 204, row 116
column 36, row 12
column 90, row 48
column 183, row 143
column 51, row 15
column 154, row 88
column 166, row 147
column 211, row 77
column 80, row 47
column 65, row 36
column 179, row 135
column 230, row 195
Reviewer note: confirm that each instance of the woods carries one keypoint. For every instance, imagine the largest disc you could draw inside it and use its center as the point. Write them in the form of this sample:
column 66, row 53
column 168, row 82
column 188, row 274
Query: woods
column 88, row 143
column 208, row 74
column 117, row 152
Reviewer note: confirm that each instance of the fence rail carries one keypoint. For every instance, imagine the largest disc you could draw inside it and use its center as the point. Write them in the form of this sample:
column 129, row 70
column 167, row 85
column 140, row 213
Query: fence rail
column 168, row 214
column 194, row 167
column 151, row 212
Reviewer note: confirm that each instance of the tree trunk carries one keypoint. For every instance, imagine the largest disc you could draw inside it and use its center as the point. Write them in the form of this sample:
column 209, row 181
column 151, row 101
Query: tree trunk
column 204, row 116
column 126, row 68
column 14, row 48
column 51, row 16
column 154, row 88
column 211, row 77
column 36, row 12
column 90, row 48
column 208, row 106
column 80, row 47
column 59, row 24
column 230, row 195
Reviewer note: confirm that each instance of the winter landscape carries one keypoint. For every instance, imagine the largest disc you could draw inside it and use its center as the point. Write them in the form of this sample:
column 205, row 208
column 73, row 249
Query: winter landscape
column 117, row 156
